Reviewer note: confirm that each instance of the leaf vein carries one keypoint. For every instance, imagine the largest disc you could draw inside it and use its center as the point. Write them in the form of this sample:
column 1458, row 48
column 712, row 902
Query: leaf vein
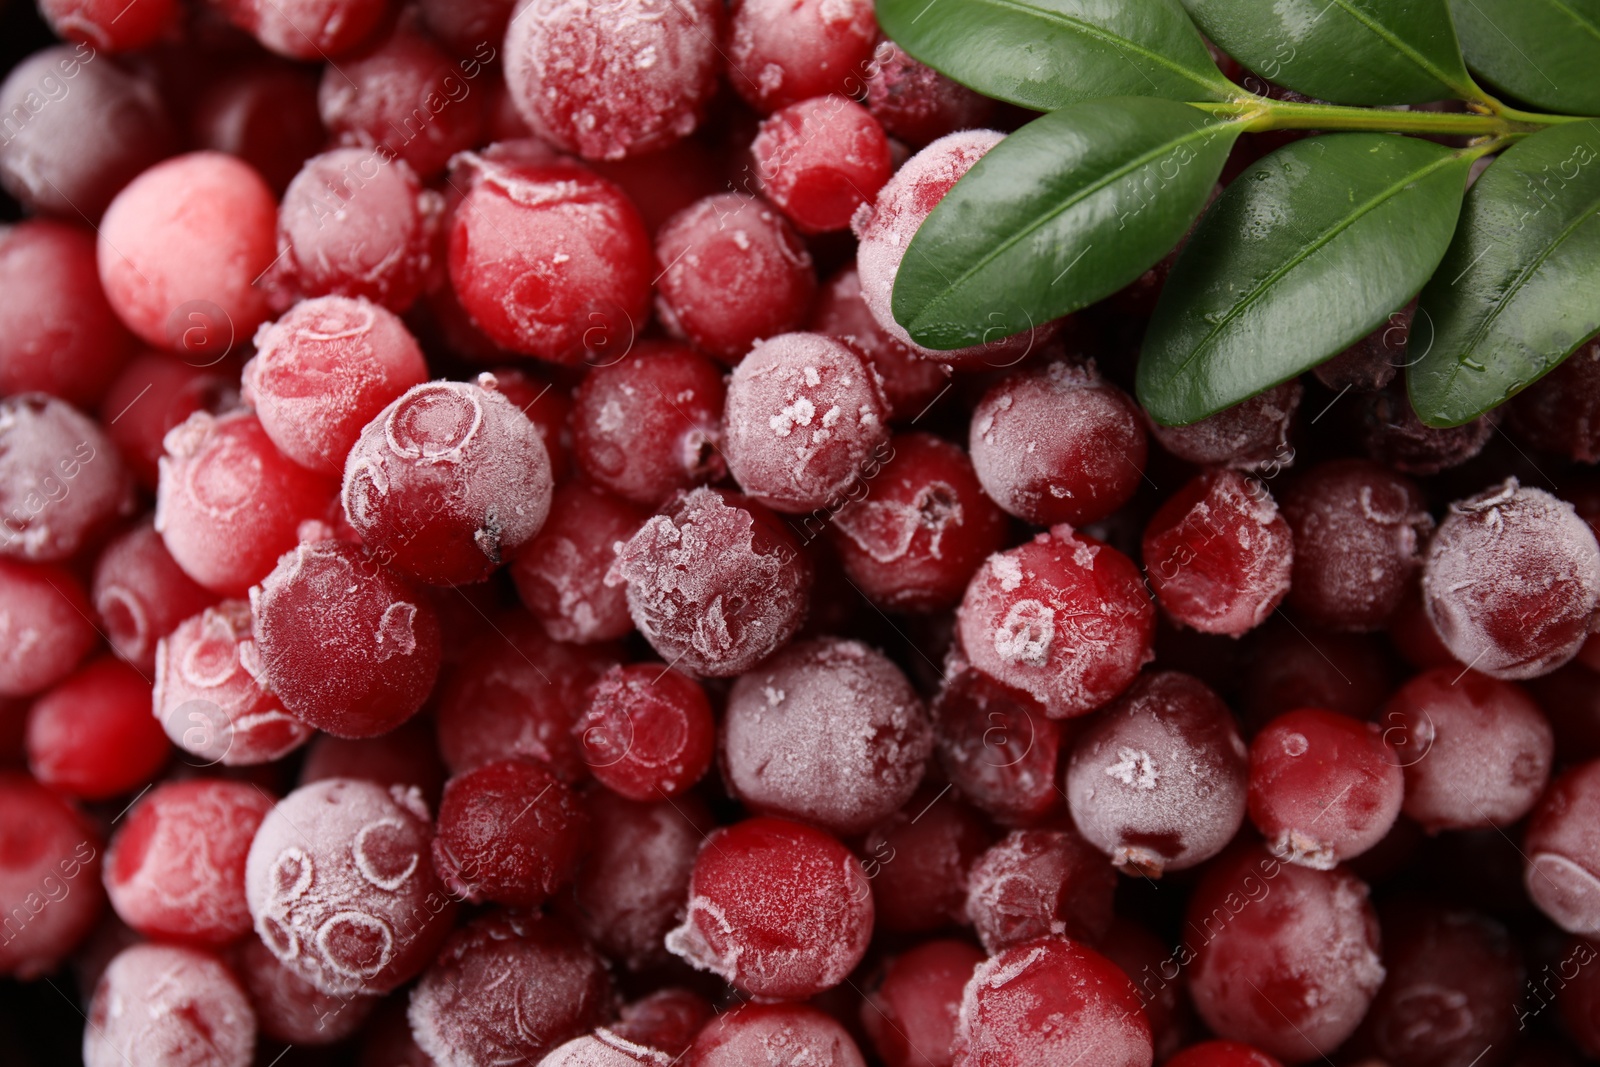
column 1382, row 32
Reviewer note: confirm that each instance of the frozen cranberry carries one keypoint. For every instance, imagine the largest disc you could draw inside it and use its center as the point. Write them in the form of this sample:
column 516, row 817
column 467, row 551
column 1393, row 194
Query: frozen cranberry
column 785, row 1035
column 506, row 989
column 325, row 370
column 605, row 1048
column 405, row 756
column 667, row 1019
column 633, row 881
column 664, row 182
column 1512, row 581
column 509, row 832
column 776, row 908
column 181, row 249
column 1479, row 750
column 651, row 423
column 917, row 104
column 62, row 482
column 1159, row 781
column 1559, row 412
column 467, row 26
column 1000, row 751
column 266, row 114
column 141, row 594
column 1372, row 362
column 341, row 888
column 113, row 25
column 918, row 859
column 155, row 393
column 45, row 627
column 829, row 731
column 1050, row 1000
column 49, row 877
column 910, row 383
column 77, row 131
column 732, row 271
column 306, row 29
column 1063, row 618
column 93, row 736
column 1323, row 787
column 910, row 1013
column 57, row 333
column 1155, row 971
column 1218, row 554
column 647, row 731
column 209, row 704
column 783, row 51
column 1285, row 957
column 175, row 869
column 163, row 1004
column 1222, row 1054
column 1562, row 850
column 1454, row 980
column 715, row 584
column 1392, row 434
column 348, row 647
column 518, row 694
column 1289, row 667
column 291, row 1009
column 1253, row 435
column 1038, row 882
column 548, row 408
column 819, row 160
column 550, row 259
column 447, row 482
column 1359, row 532
column 1057, row 444
column 1577, row 996
column 560, row 574
column 356, row 225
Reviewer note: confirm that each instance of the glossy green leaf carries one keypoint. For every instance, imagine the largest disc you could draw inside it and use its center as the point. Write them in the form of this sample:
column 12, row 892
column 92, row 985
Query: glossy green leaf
column 1545, row 52
column 1047, row 54
column 1304, row 254
column 1343, row 51
column 1519, row 288
column 1069, row 209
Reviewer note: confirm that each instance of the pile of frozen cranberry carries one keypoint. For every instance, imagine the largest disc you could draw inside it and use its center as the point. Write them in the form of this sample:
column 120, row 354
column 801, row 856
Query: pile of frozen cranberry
column 484, row 579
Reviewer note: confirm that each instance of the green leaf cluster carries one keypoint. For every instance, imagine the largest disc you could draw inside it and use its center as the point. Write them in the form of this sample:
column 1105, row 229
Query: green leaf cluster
column 1313, row 246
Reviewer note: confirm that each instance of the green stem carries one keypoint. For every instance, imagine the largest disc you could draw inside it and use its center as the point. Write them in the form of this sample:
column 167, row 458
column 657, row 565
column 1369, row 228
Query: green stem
column 1260, row 113
column 1530, row 117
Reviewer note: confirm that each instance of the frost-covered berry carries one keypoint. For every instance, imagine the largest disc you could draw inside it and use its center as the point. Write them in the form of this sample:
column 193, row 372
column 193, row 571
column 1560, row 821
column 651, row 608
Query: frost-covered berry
column 1253, row 435
column 918, row 859
column 45, row 627
column 753, row 1032
column 909, row 1013
column 307, row 29
column 291, row 1009
column 156, row 393
column 447, row 482
column 604, row 1048
column 1562, row 851
column 62, row 482
column 141, row 594
column 49, row 876
column 163, row 1004
column 647, row 731
column 560, row 574
column 1033, row 883
column 910, row 383
column 917, row 104
column 819, row 160
column 996, row 746
column 1512, row 581
column 510, row 832
column 784, row 51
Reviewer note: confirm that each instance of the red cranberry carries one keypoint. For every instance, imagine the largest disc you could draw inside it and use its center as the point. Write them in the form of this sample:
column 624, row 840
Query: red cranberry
column 917, row 104
column 141, row 594
column 752, row 1032
column 175, row 869
column 1000, row 751
column 1050, row 1000
column 508, row 988
column 111, row 25
column 715, row 584
column 732, row 271
column 1063, row 618
column 910, row 383
column 1289, row 667
column 266, row 114
column 548, row 408
column 829, row 731
column 1057, row 444
column 1034, row 883
column 918, row 859
column 1512, row 581
column 614, row 79
column 1562, row 850
column 1287, row 958
column 509, row 832
column 1218, row 554
column 1159, row 781
column 1323, row 787
column 62, row 482
column 667, row 1019
column 632, row 882
column 357, row 225
column 1479, row 750
column 910, row 1014
column 647, row 731
column 341, row 888
column 45, row 627
column 1558, row 412
column 549, row 259
column 781, row 52
column 1222, row 1054
column 155, row 393
column 651, row 423
column 160, row 1004
column 336, row 26
column 1359, row 532
column 560, row 574
column 605, row 1048
column 1156, row 973
column 60, row 336
column 405, row 756
column 467, row 26
column 291, row 1009
column 93, row 736
column 1392, row 434
column 1253, row 435
column 776, row 908
column 49, row 877
column 819, row 160
column 348, row 647
column 447, row 482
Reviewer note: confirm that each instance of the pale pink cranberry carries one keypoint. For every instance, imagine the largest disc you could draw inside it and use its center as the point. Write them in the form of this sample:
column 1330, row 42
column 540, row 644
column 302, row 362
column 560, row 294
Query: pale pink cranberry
column 93, row 736
column 605, row 1048
column 49, row 877
column 910, row 1011
column 163, row 1004
column 289, row 1008
column 819, row 160
column 560, row 574
column 752, row 1031
column 917, row 104
column 306, row 29
column 1034, row 883
column 62, row 481
column 156, row 393
column 45, row 626
column 910, row 383
column 608, row 80
column 783, row 51
column 141, row 594
column 1253, row 435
